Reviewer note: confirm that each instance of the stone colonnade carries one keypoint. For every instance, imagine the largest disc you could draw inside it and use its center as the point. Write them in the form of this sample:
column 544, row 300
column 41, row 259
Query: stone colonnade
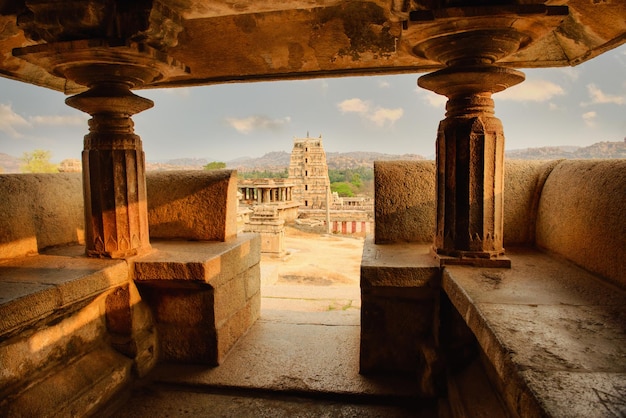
column 470, row 147
column 351, row 227
column 262, row 194
column 470, row 140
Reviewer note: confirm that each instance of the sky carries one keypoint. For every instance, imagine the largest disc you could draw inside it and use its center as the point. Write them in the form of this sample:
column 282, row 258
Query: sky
column 576, row 106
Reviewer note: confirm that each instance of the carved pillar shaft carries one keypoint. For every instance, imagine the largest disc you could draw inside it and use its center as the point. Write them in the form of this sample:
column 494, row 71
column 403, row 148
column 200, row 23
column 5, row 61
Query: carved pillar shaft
column 470, row 164
column 114, row 183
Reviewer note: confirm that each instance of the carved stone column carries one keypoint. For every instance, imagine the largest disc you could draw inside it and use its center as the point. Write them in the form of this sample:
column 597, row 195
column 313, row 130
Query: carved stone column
column 116, row 210
column 109, row 47
column 468, row 41
column 470, row 165
column 114, row 184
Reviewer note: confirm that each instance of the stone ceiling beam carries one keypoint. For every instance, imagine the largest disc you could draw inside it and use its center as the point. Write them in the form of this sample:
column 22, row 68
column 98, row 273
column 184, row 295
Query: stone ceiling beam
column 224, row 41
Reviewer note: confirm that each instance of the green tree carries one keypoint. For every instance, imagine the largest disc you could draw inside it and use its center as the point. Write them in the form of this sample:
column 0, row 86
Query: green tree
column 342, row 188
column 265, row 174
column 38, row 161
column 356, row 180
column 215, row 165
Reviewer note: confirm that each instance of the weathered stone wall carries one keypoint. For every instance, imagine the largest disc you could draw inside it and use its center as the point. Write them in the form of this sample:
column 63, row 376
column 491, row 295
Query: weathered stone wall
column 39, row 211
column 74, row 332
column 204, row 295
column 582, row 215
column 523, row 184
column 192, row 204
column 45, row 210
column 405, row 200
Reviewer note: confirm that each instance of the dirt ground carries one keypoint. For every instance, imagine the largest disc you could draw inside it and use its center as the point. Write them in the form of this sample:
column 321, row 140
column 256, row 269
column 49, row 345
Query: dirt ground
column 319, row 272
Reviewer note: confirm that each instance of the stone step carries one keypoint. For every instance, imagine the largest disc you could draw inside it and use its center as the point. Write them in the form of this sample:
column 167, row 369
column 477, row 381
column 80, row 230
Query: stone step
column 75, row 389
column 159, row 400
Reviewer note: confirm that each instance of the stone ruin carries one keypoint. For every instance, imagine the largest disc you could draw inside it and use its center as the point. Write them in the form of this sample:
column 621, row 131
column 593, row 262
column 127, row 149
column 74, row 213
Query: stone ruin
column 97, row 291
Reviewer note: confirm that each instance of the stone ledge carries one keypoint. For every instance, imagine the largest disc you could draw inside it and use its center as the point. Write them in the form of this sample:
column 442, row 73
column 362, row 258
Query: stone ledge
column 209, row 263
column 554, row 333
column 75, row 389
column 398, row 265
column 53, row 283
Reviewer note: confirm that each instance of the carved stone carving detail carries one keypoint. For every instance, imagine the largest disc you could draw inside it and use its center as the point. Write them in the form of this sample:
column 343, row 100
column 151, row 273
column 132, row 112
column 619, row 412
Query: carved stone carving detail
column 145, row 21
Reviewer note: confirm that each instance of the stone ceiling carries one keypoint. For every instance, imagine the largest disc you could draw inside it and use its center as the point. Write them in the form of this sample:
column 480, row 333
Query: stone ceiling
column 245, row 40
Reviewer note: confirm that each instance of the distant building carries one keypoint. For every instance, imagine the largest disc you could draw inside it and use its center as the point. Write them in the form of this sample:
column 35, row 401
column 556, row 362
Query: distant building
column 268, row 192
column 308, row 171
column 71, row 165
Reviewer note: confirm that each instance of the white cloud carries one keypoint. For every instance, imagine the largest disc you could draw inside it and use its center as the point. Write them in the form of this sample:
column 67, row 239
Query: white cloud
column 9, row 121
column 590, row 118
column 379, row 115
column 257, row 122
column 531, row 91
column 354, row 105
column 552, row 106
column 59, row 120
column 384, row 84
column 382, row 115
column 597, row 96
column 433, row 99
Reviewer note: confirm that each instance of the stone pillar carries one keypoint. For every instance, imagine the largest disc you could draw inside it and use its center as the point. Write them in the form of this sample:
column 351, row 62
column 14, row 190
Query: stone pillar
column 470, row 164
column 468, row 42
column 114, row 180
column 116, row 215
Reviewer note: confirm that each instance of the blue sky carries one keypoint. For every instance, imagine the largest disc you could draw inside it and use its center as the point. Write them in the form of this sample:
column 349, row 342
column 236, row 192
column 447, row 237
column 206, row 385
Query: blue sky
column 560, row 106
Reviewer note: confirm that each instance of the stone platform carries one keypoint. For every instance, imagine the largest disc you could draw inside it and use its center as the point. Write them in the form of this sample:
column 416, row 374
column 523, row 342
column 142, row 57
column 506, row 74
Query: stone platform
column 297, row 360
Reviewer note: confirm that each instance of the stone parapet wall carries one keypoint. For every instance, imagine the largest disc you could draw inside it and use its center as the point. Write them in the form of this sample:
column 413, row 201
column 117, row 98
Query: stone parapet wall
column 195, row 205
column 404, row 202
column 581, row 216
column 523, row 185
column 574, row 208
column 38, row 211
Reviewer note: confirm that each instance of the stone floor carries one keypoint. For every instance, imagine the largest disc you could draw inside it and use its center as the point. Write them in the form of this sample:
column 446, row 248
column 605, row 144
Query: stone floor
column 300, row 363
column 300, row 359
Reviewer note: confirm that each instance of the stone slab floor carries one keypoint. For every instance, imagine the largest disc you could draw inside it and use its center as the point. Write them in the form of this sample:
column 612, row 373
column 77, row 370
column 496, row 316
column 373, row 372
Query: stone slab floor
column 301, row 357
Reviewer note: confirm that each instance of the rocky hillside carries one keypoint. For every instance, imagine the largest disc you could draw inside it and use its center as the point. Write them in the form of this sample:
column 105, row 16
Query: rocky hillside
column 278, row 161
column 609, row 150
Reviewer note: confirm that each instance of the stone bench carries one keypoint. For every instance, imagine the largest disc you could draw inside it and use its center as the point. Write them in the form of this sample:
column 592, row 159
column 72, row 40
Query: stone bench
column 75, row 331
column 550, row 331
column 553, row 335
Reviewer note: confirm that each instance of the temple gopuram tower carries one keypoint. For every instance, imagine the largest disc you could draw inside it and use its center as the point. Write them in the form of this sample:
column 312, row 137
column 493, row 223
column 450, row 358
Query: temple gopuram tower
column 308, row 172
